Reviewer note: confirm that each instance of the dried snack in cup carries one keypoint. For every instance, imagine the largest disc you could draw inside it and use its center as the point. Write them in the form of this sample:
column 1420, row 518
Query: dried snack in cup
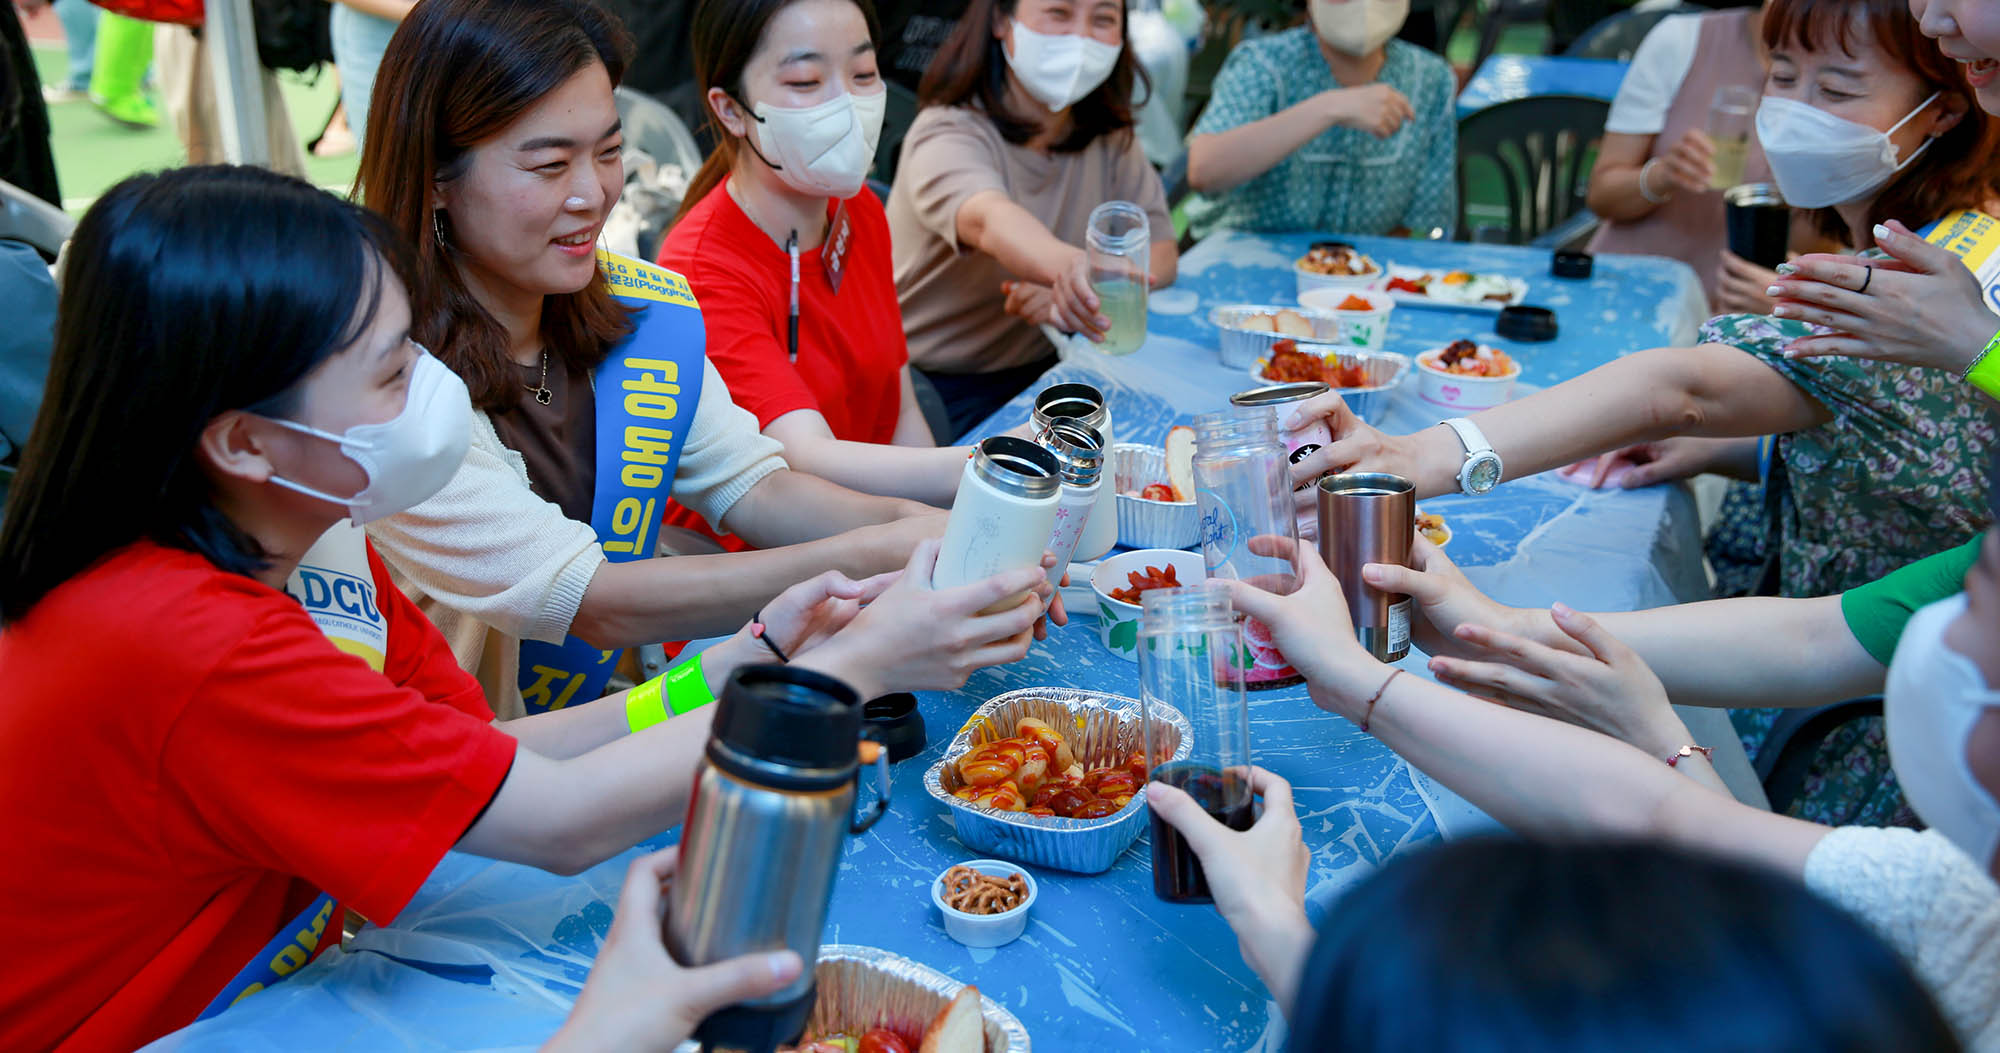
column 972, row 892
column 1354, row 303
column 1464, row 358
column 1336, row 259
column 1138, row 583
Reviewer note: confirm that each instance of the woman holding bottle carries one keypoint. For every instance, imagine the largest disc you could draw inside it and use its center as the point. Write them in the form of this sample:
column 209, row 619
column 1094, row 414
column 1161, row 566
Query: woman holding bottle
column 1026, row 127
column 595, row 400
column 264, row 768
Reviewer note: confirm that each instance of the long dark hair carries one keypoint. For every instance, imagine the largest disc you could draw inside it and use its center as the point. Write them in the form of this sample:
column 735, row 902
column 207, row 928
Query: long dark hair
column 725, row 37
column 1959, row 170
column 186, row 294
column 457, row 73
column 1634, row 948
column 971, row 68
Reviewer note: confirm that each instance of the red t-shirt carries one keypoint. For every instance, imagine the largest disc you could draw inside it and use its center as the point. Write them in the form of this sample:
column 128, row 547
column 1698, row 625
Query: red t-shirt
column 851, row 346
column 188, row 760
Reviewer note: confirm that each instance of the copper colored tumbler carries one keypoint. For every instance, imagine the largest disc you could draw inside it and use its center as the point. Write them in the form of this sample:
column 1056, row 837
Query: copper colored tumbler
column 1369, row 517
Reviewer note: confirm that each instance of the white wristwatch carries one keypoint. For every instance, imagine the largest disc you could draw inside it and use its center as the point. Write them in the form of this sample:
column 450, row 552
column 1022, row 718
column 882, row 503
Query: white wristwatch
column 1481, row 471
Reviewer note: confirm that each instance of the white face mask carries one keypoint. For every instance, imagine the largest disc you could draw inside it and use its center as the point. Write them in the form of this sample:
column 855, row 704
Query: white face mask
column 824, row 150
column 406, row 459
column 1935, row 696
column 1358, row 27
column 1060, row 70
column 1820, row 160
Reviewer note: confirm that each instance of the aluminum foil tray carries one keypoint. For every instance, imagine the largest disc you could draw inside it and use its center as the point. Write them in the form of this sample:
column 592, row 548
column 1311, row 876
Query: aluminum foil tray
column 1099, row 728
column 864, row 987
column 1385, row 370
column 1241, row 348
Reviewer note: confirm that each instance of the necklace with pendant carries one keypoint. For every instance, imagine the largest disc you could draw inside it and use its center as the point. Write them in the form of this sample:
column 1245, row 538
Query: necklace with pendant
column 542, row 393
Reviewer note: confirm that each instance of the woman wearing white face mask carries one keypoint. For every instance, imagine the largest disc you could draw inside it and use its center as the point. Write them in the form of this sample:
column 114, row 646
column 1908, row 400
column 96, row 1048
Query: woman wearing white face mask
column 1920, row 892
column 795, row 101
column 595, row 398
column 1331, row 126
column 1925, row 308
column 256, row 766
column 1026, row 126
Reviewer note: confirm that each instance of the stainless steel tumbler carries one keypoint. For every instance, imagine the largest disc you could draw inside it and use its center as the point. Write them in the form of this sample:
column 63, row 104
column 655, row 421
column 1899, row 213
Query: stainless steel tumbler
column 1369, row 517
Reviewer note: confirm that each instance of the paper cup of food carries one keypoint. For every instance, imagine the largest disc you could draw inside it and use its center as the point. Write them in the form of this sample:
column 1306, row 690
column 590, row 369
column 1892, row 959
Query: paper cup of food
column 1151, row 513
column 984, row 902
column 1121, row 579
column 1363, row 314
column 1466, row 376
column 1334, row 265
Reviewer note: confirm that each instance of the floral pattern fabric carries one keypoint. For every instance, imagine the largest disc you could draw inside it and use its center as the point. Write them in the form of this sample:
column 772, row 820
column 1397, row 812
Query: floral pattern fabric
column 1899, row 473
column 1343, row 180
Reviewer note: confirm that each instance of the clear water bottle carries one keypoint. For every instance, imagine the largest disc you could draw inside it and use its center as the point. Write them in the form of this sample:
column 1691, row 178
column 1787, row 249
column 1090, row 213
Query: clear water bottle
column 1119, row 242
column 1243, row 490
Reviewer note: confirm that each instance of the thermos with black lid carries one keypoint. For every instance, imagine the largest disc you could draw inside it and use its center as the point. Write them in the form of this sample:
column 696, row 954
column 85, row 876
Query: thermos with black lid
column 772, row 807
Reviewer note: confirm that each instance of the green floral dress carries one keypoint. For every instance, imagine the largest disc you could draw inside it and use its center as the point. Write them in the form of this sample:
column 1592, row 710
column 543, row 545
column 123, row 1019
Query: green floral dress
column 1899, row 473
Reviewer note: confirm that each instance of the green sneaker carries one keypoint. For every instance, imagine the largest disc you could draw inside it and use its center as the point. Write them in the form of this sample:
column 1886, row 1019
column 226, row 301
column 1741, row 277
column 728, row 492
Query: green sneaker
column 132, row 111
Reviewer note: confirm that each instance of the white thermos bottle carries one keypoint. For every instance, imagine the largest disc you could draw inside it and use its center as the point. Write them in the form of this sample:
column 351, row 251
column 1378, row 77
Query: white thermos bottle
column 1003, row 514
column 1079, row 452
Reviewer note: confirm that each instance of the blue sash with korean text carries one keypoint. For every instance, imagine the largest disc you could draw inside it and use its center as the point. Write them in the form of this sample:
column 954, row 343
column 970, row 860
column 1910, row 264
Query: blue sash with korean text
column 646, row 395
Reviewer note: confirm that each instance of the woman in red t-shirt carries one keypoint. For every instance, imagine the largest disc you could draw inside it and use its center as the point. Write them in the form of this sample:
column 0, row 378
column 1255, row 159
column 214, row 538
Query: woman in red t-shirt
column 191, row 758
column 795, row 101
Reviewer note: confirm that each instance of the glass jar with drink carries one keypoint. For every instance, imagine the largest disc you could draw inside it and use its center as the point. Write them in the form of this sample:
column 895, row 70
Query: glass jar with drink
column 1120, row 248
column 1186, row 639
column 1243, row 491
column 1730, row 118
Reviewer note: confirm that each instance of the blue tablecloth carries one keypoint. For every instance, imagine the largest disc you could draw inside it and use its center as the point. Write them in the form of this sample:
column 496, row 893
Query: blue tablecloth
column 1504, row 77
column 489, row 955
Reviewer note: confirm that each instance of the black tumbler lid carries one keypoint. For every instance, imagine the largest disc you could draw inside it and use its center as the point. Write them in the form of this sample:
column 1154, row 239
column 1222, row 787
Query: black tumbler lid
column 1568, row 264
column 782, row 716
column 1530, row 324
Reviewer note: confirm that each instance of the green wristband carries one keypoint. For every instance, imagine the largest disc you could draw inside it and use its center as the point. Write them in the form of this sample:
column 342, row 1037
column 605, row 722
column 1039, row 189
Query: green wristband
column 1984, row 372
column 681, row 689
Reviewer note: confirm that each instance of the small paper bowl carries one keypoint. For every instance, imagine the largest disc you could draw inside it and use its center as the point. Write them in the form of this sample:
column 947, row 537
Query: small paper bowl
column 1358, row 328
column 1143, row 523
column 1460, row 392
column 985, row 930
column 1308, row 280
column 1118, row 621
